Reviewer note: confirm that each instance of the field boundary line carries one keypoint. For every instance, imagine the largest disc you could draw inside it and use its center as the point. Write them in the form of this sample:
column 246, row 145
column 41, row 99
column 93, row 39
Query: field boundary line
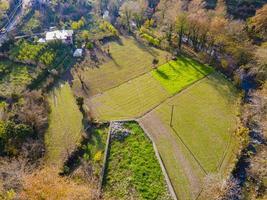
column 144, row 73
column 192, row 154
column 163, row 169
column 103, row 170
column 124, row 82
column 173, row 95
column 176, row 132
column 163, row 101
column 226, row 151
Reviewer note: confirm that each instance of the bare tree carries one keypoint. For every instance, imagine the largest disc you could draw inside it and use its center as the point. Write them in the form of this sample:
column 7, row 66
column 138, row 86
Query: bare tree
column 216, row 188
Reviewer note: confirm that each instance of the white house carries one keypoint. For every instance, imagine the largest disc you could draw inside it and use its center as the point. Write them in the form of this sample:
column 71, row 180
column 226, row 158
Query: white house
column 64, row 35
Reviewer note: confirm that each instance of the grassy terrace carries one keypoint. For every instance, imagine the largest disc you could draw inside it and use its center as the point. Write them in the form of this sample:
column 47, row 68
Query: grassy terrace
column 175, row 75
column 129, row 100
column 129, row 59
column 139, row 95
column 65, row 125
column 213, row 103
column 133, row 170
column 203, row 119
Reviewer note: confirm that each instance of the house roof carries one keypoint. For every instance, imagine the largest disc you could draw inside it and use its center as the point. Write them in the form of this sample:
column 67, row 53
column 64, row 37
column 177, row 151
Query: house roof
column 58, row 35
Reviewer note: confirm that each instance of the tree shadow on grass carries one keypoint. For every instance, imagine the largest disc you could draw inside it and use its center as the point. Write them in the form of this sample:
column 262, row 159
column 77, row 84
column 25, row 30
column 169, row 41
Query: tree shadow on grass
column 191, row 63
column 146, row 48
column 174, row 68
column 162, row 74
column 224, row 87
column 116, row 63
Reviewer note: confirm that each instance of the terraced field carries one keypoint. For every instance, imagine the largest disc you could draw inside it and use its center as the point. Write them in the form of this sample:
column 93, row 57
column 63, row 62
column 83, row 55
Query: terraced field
column 129, row 100
column 178, row 74
column 65, row 125
column 139, row 95
column 129, row 59
column 189, row 110
column 192, row 124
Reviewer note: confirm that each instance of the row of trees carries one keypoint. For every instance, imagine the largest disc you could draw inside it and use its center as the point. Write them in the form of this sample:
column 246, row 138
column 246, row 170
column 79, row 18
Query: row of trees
column 231, row 43
column 22, row 125
column 23, row 118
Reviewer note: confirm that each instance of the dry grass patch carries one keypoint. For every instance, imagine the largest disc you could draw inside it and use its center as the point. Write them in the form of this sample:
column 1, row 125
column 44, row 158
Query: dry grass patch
column 47, row 184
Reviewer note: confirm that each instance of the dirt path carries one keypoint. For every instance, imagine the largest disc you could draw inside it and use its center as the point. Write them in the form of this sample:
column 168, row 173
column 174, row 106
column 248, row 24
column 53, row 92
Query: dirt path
column 173, row 157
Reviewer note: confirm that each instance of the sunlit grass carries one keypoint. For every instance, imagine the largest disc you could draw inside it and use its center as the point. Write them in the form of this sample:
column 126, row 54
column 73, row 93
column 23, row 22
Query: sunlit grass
column 65, row 127
column 175, row 75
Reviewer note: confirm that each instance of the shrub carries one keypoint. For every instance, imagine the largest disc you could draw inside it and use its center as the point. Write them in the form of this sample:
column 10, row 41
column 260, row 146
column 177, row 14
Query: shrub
column 98, row 156
column 12, row 136
column 106, row 26
column 150, row 39
column 78, row 24
column 89, row 45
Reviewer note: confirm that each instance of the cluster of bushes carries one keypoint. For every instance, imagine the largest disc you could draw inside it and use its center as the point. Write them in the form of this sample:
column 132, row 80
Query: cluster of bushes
column 134, row 169
column 149, row 37
column 12, row 136
column 5, row 68
column 46, row 58
column 24, row 118
column 26, row 52
column 106, row 26
column 37, row 54
column 76, row 25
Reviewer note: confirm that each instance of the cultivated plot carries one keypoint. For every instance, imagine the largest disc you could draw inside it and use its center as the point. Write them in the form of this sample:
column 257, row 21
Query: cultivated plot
column 139, row 95
column 14, row 77
column 129, row 100
column 133, row 171
column 175, row 75
column 129, row 59
column 193, row 132
column 65, row 125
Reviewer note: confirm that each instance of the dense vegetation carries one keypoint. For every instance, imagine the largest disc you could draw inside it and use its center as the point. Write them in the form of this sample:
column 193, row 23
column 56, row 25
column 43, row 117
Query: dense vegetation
column 133, row 170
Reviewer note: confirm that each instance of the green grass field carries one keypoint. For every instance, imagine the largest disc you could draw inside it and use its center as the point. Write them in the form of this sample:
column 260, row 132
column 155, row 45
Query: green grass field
column 133, row 170
column 203, row 121
column 65, row 125
column 205, row 117
column 139, row 95
column 129, row 59
column 175, row 75
column 13, row 77
column 129, row 100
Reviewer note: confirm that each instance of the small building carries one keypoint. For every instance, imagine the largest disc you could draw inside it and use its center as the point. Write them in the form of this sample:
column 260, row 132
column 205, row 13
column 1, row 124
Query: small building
column 78, row 53
column 41, row 40
column 64, row 35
